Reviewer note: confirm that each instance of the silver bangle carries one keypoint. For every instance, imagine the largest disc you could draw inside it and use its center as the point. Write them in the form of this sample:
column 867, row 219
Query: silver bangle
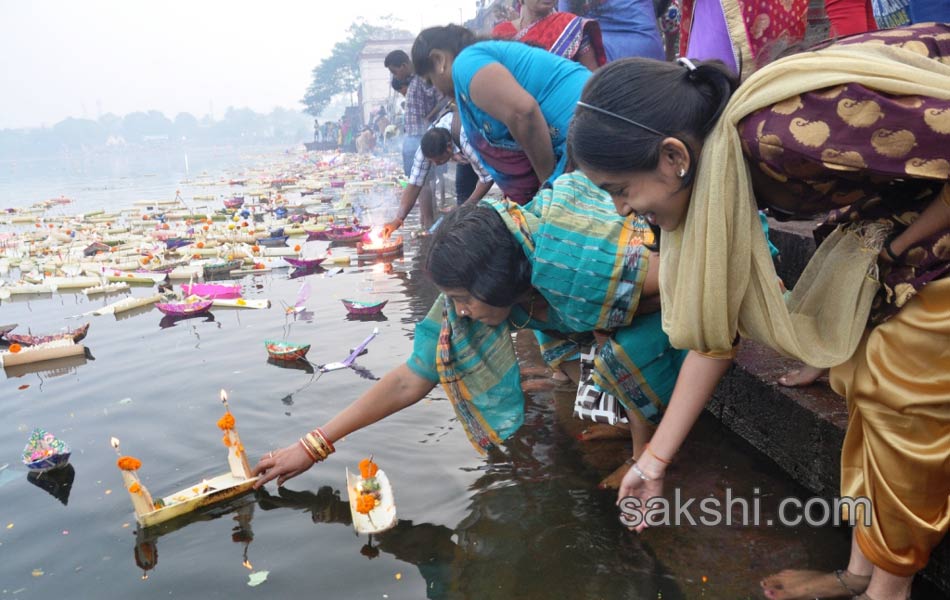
column 636, row 469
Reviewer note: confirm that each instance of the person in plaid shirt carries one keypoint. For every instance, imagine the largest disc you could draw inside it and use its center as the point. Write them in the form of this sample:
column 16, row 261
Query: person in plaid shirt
column 422, row 104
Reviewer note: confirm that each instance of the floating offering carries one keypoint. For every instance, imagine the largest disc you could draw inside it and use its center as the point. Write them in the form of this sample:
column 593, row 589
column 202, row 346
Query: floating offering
column 257, row 303
column 304, row 263
column 184, row 309
column 222, row 269
column 236, row 202
column 212, row 291
column 114, row 276
column 127, row 304
column 371, row 499
column 348, row 361
column 286, row 351
column 108, row 288
column 378, row 247
column 355, row 307
column 44, row 451
column 18, row 355
column 76, row 335
column 149, row 512
column 303, row 294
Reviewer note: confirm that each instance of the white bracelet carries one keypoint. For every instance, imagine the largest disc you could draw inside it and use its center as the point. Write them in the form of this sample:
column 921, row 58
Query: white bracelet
column 636, row 469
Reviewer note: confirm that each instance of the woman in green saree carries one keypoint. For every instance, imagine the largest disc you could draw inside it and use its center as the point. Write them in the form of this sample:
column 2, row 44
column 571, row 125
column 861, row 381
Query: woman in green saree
column 565, row 264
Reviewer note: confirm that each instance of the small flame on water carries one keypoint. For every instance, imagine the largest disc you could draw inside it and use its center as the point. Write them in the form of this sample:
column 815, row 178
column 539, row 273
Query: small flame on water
column 247, row 565
column 376, row 236
column 224, row 396
column 115, row 442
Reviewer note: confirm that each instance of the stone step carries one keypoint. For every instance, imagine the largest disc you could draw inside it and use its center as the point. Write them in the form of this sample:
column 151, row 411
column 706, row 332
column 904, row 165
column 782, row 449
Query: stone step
column 801, row 429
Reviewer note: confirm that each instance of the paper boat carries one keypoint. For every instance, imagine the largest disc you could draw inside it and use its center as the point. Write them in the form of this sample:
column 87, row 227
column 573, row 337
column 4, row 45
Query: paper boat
column 382, row 517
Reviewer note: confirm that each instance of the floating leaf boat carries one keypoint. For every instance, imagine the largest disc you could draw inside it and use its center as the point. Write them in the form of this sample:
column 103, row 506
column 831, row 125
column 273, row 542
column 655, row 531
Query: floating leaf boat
column 44, row 451
column 212, row 291
column 237, row 481
column 257, row 303
column 380, row 249
column 109, row 288
column 273, row 242
column 304, row 263
column 75, row 335
column 40, row 352
column 114, row 276
column 286, row 351
column 126, row 304
column 184, row 309
column 355, row 307
column 221, row 269
column 346, row 236
column 95, row 248
column 177, row 242
column 383, row 515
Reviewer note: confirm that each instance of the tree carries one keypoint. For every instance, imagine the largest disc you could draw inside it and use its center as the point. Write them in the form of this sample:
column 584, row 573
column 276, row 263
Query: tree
column 339, row 73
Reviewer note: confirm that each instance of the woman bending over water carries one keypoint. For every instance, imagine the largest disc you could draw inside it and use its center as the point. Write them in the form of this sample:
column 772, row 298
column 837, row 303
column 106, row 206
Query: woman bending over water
column 859, row 128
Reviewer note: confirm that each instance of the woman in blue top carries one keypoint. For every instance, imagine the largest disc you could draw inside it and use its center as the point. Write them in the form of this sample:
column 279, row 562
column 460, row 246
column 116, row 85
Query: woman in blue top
column 516, row 102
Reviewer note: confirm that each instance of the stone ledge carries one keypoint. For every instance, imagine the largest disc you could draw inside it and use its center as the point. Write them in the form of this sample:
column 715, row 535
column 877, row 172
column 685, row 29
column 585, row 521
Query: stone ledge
column 801, row 429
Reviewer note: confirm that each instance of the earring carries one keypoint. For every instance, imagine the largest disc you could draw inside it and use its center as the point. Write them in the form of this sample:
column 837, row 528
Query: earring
column 682, row 173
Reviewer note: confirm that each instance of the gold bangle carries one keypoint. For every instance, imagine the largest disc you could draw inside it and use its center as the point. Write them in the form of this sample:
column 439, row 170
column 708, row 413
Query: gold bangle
column 326, row 439
column 653, row 454
column 307, row 450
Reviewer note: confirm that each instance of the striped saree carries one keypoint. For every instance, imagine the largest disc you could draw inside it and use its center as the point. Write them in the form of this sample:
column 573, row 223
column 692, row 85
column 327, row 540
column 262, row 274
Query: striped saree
column 589, row 265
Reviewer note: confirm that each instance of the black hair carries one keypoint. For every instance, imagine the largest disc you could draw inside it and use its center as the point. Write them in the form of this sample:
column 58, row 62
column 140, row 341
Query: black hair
column 681, row 103
column 435, row 142
column 451, row 38
column 473, row 250
column 396, row 58
column 397, row 84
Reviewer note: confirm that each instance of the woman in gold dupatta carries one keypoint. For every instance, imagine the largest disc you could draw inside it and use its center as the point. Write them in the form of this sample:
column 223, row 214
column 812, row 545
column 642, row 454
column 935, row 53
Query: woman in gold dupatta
column 860, row 127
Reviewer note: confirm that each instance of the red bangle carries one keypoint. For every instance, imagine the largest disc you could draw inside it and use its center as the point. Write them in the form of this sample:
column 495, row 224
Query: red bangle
column 307, row 450
column 325, row 438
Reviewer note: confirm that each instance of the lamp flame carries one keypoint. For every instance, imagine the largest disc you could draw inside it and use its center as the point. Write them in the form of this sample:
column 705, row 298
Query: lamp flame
column 224, row 397
column 114, row 442
column 247, row 565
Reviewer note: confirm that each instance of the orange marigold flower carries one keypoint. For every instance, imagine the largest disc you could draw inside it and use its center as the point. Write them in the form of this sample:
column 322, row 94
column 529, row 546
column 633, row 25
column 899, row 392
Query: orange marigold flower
column 128, row 463
column 226, row 440
column 297, row 248
column 365, row 503
column 368, row 468
column 135, row 488
column 200, row 245
column 14, row 348
column 226, row 422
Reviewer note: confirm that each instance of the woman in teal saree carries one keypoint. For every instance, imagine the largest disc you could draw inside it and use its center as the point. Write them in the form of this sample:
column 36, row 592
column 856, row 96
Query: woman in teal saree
column 565, row 264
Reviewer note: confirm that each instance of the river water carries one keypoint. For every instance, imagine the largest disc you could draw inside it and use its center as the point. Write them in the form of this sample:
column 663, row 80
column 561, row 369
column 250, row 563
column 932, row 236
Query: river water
column 530, row 524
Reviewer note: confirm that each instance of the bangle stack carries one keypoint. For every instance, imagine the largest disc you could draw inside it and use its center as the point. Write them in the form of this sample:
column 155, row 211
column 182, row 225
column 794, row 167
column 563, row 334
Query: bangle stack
column 317, row 445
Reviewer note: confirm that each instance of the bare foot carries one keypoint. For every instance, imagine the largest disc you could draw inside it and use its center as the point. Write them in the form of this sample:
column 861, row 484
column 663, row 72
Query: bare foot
column 539, row 385
column 801, row 585
column 527, row 372
column 612, row 481
column 603, row 431
column 803, row 376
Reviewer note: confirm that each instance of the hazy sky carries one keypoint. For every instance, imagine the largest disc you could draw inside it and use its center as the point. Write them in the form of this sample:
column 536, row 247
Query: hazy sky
column 85, row 58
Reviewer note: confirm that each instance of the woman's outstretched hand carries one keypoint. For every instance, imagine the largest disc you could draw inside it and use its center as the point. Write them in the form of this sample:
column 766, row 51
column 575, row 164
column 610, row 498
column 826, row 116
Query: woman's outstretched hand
column 282, row 464
column 634, row 495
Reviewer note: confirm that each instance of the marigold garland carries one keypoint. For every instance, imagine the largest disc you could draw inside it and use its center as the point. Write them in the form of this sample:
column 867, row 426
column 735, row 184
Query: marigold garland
column 368, row 468
column 365, row 503
column 128, row 463
column 135, row 488
column 226, row 422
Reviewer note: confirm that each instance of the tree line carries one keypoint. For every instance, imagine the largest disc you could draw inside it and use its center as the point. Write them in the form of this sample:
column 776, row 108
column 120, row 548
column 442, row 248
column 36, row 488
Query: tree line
column 237, row 126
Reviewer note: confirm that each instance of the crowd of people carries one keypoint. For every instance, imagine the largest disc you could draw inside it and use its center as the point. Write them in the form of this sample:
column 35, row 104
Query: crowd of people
column 631, row 222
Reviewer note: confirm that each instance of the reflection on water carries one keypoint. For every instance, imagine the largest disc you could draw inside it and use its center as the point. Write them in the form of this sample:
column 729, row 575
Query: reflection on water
column 56, row 482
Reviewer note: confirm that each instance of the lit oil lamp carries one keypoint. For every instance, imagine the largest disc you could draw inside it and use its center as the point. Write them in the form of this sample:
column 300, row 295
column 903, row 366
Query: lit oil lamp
column 378, row 246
